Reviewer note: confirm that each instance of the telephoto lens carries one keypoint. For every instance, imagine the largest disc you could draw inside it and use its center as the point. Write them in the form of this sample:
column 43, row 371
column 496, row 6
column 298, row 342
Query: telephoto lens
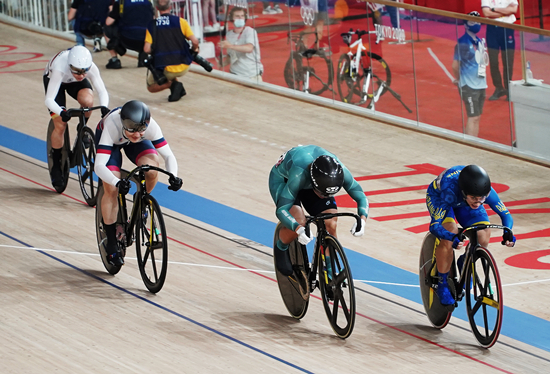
column 202, row 62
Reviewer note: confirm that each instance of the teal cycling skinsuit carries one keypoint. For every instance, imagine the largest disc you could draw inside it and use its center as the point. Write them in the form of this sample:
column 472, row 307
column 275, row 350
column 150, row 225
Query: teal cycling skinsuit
column 290, row 175
column 445, row 201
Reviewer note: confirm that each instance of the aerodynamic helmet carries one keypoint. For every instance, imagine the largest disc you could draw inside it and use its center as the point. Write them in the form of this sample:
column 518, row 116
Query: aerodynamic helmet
column 327, row 175
column 80, row 60
column 135, row 116
column 473, row 180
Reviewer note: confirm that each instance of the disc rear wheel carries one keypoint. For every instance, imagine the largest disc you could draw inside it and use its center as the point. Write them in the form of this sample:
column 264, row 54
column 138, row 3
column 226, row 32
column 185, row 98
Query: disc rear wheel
column 295, row 288
column 438, row 314
column 65, row 156
column 102, row 236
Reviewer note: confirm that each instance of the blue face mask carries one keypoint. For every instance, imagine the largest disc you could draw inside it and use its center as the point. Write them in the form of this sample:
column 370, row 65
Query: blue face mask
column 473, row 27
column 239, row 22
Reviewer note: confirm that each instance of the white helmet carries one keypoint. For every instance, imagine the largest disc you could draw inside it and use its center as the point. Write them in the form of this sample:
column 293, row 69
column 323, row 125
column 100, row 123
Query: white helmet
column 80, row 59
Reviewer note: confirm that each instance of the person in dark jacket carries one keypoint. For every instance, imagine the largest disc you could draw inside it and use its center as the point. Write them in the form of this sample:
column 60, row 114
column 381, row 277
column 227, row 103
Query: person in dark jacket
column 167, row 40
column 125, row 29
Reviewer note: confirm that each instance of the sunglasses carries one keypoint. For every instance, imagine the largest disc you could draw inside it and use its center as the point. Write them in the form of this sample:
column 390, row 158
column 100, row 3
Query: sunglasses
column 140, row 128
column 78, row 71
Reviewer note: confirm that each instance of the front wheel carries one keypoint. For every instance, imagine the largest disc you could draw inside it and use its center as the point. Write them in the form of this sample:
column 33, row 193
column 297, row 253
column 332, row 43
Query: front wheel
column 336, row 285
column 151, row 245
column 484, row 298
column 85, row 166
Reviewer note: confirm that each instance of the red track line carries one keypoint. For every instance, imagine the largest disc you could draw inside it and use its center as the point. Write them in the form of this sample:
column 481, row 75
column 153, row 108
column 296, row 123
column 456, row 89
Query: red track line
column 274, row 280
column 42, row 185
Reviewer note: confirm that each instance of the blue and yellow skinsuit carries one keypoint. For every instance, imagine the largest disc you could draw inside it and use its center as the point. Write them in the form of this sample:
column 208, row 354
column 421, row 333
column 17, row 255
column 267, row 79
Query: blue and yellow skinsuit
column 445, row 201
column 290, row 175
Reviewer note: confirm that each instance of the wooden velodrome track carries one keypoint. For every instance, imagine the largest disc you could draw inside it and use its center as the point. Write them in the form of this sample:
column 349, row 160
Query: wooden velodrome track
column 220, row 309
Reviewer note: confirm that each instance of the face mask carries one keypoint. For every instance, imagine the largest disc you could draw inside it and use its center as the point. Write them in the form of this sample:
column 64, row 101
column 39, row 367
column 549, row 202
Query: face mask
column 474, row 28
column 239, row 22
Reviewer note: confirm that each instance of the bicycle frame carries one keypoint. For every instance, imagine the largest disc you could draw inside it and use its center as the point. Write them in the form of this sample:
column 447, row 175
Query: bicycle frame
column 320, row 242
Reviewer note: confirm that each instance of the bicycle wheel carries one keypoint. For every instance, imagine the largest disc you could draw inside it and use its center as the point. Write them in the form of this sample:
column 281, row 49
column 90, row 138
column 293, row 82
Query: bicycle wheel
column 151, row 245
column 294, row 289
column 85, row 166
column 320, row 73
column 102, row 236
column 484, row 298
column 65, row 153
column 294, row 77
column 381, row 75
column 350, row 84
column 336, row 285
column 438, row 314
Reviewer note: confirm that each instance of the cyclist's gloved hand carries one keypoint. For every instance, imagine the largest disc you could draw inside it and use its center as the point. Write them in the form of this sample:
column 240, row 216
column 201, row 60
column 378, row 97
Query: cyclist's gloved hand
column 123, row 187
column 358, row 231
column 175, row 183
column 457, row 240
column 104, row 111
column 303, row 238
column 507, row 236
column 65, row 117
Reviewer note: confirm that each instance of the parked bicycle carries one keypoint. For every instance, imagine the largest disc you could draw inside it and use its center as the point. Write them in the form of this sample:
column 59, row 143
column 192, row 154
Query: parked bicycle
column 82, row 155
column 145, row 226
column 477, row 279
column 330, row 272
column 308, row 69
column 363, row 76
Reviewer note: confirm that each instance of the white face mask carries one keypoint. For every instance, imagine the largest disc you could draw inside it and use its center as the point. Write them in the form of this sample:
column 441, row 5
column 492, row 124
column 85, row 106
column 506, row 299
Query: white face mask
column 239, row 22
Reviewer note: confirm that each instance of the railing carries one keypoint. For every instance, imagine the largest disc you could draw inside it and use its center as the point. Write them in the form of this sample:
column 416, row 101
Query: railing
column 419, row 50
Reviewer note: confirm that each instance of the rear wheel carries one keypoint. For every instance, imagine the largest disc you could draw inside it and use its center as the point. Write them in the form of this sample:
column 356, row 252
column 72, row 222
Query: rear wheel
column 294, row 76
column 295, row 288
column 484, row 298
column 336, row 285
column 102, row 236
column 438, row 314
column 85, row 166
column 65, row 156
column 151, row 244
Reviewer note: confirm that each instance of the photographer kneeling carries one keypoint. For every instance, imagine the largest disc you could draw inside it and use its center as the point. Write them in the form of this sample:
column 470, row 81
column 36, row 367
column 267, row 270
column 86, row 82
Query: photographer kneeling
column 166, row 40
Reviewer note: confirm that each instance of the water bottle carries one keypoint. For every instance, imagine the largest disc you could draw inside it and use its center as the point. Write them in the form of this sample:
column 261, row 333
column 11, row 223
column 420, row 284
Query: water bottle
column 528, row 72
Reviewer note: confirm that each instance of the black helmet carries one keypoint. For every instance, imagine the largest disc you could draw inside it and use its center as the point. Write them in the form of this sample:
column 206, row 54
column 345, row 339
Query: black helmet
column 327, row 175
column 135, row 116
column 473, row 180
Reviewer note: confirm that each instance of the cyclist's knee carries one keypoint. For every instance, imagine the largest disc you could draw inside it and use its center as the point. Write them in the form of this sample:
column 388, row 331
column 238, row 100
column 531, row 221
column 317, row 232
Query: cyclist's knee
column 331, row 225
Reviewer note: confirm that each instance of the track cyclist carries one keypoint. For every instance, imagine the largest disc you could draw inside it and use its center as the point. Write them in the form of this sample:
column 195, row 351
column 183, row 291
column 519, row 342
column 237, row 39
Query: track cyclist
column 131, row 128
column 459, row 192
column 309, row 176
column 70, row 71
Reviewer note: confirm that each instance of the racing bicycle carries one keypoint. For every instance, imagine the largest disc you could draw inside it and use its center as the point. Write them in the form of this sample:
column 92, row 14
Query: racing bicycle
column 330, row 272
column 82, row 155
column 145, row 226
column 308, row 69
column 363, row 76
column 477, row 280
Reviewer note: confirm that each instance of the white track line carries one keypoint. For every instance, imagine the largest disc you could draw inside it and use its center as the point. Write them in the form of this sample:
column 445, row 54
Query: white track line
column 241, row 269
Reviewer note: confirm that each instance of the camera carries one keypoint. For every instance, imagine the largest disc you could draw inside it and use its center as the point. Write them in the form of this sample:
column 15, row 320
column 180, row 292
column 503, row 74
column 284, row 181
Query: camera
column 202, row 61
column 159, row 78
